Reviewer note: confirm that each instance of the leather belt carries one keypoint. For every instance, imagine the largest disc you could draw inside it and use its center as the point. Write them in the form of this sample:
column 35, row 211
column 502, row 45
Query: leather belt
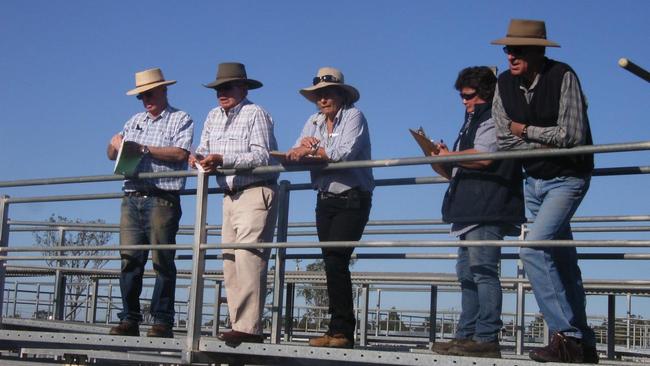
column 323, row 195
column 261, row 183
column 152, row 193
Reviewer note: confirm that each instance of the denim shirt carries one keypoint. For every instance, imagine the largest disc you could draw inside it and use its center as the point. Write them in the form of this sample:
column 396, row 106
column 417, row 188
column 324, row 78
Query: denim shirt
column 349, row 140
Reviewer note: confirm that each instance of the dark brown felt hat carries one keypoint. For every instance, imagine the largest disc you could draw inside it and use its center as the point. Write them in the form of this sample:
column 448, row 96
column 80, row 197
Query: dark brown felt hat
column 232, row 71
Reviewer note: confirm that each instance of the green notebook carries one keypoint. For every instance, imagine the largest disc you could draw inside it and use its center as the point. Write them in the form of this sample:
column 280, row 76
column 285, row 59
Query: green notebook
column 128, row 159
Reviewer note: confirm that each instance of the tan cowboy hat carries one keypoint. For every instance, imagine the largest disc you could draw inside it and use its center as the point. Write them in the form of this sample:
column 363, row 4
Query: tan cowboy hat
column 232, row 71
column 147, row 80
column 525, row 32
column 329, row 76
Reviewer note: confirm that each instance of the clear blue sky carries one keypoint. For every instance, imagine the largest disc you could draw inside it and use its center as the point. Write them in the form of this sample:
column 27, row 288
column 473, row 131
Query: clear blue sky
column 65, row 67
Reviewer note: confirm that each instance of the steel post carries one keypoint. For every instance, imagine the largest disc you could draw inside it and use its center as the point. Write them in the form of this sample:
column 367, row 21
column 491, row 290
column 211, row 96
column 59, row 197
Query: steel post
column 216, row 312
column 109, row 306
column 520, row 315
column 59, row 281
column 93, row 304
column 288, row 313
column 15, row 303
column 377, row 312
column 4, row 242
column 433, row 313
column 87, row 303
column 195, row 307
column 363, row 326
column 278, row 274
column 628, row 320
column 611, row 327
column 38, row 297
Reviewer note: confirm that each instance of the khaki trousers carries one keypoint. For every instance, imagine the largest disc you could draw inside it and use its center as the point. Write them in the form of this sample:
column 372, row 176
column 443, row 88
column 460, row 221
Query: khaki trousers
column 248, row 217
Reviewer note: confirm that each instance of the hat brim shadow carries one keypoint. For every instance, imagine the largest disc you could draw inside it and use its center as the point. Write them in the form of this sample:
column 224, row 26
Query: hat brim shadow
column 312, row 96
column 523, row 41
column 144, row 88
column 252, row 84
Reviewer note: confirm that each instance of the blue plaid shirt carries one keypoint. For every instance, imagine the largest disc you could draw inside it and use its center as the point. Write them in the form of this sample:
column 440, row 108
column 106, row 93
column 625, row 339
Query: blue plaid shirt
column 243, row 136
column 172, row 128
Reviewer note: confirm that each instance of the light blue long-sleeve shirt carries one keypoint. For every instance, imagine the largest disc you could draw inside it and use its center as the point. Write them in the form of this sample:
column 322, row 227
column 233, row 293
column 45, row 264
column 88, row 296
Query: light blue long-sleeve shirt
column 349, row 140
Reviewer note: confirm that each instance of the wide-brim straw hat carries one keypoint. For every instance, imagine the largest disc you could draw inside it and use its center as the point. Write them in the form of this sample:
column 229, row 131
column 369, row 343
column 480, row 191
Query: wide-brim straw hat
column 329, row 76
column 147, row 80
column 232, row 71
column 525, row 32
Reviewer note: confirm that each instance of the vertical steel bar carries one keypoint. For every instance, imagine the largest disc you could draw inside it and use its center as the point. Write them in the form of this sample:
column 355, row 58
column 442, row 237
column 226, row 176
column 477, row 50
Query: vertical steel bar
column 278, row 276
column 109, row 306
column 38, row 297
column 15, row 298
column 93, row 304
column 216, row 312
column 611, row 327
column 195, row 307
column 363, row 327
column 629, row 316
column 87, row 304
column 521, row 307
column 60, row 279
column 4, row 242
column 377, row 312
column 433, row 313
column 288, row 313
column 521, row 299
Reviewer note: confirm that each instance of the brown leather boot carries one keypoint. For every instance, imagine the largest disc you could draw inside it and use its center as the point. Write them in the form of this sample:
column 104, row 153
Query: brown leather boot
column 442, row 348
column 126, row 328
column 560, row 349
column 338, row 340
column 160, row 331
column 477, row 349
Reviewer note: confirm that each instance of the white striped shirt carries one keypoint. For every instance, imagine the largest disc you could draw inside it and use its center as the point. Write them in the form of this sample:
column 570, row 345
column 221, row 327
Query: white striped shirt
column 243, row 136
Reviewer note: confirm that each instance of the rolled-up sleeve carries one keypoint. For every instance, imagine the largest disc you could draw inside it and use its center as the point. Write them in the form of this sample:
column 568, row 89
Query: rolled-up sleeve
column 505, row 139
column 571, row 129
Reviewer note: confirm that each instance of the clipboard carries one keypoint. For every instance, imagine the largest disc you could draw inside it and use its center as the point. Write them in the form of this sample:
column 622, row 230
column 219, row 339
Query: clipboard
column 128, row 159
column 424, row 142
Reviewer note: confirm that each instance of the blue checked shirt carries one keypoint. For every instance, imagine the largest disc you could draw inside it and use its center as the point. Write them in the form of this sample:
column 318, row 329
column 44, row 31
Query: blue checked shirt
column 349, row 140
column 172, row 128
column 243, row 136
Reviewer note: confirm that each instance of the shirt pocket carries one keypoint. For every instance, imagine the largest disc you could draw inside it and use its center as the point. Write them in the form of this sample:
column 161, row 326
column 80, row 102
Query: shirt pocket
column 237, row 134
column 167, row 140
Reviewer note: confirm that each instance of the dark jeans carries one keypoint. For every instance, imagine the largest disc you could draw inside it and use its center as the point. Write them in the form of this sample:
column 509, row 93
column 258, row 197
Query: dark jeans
column 149, row 220
column 478, row 272
column 341, row 219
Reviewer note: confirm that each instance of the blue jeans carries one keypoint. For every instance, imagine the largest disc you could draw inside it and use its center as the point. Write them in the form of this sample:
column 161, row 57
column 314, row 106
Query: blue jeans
column 553, row 272
column 149, row 220
column 478, row 273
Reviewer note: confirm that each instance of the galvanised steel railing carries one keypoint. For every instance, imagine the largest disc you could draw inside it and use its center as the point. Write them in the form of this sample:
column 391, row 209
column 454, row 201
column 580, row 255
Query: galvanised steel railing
column 200, row 244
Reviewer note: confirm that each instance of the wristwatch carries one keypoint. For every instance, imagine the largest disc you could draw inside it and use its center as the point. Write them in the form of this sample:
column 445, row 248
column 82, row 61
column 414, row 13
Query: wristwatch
column 145, row 150
column 524, row 133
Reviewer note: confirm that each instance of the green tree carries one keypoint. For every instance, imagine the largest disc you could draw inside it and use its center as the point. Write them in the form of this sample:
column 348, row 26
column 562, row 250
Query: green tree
column 76, row 284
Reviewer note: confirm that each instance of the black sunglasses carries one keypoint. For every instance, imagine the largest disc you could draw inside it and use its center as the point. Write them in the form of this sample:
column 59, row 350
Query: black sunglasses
column 146, row 94
column 467, row 96
column 326, row 79
column 515, row 50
